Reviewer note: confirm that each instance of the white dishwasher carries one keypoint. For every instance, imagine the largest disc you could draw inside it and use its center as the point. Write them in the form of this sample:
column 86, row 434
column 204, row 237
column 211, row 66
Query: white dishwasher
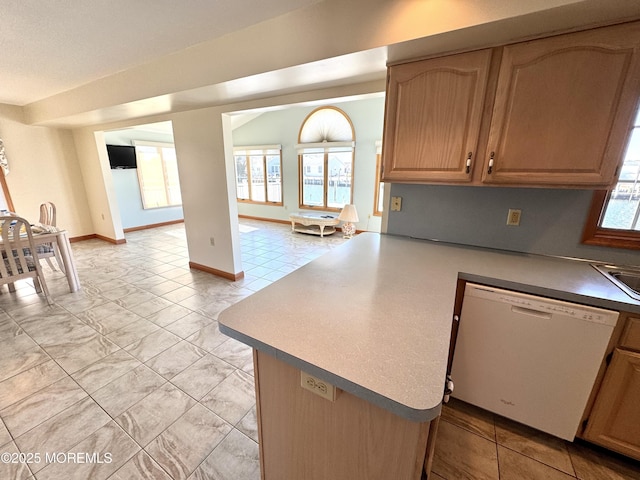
column 531, row 359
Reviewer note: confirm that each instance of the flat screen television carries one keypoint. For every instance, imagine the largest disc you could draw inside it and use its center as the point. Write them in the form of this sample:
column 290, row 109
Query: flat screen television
column 122, row 156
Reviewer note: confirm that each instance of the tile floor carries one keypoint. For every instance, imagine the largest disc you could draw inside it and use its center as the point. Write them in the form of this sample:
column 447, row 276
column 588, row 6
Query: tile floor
column 130, row 378
column 476, row 444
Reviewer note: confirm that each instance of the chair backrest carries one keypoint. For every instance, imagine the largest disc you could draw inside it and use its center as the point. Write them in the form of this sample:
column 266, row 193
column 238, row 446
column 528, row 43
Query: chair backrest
column 48, row 214
column 17, row 247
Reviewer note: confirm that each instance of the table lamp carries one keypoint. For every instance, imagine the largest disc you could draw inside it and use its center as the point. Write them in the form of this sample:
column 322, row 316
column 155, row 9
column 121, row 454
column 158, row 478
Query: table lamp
column 349, row 215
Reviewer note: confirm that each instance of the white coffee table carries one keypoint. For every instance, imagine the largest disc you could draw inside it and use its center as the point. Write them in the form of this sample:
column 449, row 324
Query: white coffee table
column 314, row 223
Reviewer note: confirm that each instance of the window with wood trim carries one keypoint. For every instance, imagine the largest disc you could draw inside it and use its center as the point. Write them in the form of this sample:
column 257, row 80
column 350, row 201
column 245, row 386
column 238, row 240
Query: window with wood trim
column 378, row 200
column 326, row 153
column 259, row 174
column 157, row 167
column 614, row 218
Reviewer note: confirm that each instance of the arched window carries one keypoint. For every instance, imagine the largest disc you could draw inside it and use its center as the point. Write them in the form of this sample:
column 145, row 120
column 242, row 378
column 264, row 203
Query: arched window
column 325, row 159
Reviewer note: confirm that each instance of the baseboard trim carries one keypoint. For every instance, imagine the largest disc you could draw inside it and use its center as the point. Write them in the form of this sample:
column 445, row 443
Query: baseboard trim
column 272, row 220
column 219, row 273
column 153, row 225
column 82, row 238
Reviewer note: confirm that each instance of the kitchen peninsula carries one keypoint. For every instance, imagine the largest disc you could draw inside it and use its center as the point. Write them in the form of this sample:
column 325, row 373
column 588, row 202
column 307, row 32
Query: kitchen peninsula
column 373, row 318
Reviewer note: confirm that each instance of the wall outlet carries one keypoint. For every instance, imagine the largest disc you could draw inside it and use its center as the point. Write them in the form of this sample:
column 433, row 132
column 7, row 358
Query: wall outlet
column 212, row 241
column 513, row 217
column 317, row 386
column 396, row 204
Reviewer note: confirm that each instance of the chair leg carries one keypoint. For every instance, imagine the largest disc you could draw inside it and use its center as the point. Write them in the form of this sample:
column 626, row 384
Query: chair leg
column 51, row 265
column 36, row 285
column 56, row 250
column 12, row 287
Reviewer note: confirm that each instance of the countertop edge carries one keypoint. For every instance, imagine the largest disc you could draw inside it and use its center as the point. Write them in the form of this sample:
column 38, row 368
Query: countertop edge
column 412, row 414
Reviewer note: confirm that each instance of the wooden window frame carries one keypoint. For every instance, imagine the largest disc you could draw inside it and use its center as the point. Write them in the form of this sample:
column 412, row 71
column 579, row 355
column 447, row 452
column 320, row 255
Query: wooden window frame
column 327, row 142
column 378, row 184
column 264, row 155
column 593, row 234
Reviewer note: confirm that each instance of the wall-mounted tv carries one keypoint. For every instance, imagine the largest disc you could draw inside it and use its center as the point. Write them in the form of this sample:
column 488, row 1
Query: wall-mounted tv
column 122, row 156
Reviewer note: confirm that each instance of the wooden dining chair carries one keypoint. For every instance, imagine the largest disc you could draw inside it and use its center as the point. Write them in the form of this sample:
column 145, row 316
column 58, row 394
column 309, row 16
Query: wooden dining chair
column 19, row 255
column 49, row 250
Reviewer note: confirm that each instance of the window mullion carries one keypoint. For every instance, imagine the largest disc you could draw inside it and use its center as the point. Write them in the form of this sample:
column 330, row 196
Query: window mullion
column 249, row 177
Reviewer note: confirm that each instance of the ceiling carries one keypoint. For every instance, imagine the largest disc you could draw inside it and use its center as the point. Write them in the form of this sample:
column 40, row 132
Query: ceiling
column 64, row 46
column 51, row 47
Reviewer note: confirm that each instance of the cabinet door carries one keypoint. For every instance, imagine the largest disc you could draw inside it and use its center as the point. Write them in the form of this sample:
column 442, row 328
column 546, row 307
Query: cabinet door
column 563, row 107
column 432, row 120
column 615, row 419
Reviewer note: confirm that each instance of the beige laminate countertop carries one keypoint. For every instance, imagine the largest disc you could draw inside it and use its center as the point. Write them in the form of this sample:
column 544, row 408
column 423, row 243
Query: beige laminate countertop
column 373, row 317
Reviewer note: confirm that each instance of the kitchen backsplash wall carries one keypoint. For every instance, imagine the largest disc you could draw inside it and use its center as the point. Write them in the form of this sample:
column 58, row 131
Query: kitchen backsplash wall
column 551, row 224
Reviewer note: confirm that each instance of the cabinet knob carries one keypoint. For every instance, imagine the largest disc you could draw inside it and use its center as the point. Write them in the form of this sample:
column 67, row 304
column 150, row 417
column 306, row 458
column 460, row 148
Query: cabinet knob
column 468, row 169
column 493, row 154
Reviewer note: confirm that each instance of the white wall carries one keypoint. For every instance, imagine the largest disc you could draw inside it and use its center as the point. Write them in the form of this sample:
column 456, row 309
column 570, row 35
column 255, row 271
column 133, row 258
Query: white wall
column 127, row 187
column 283, row 126
column 206, row 183
column 44, row 167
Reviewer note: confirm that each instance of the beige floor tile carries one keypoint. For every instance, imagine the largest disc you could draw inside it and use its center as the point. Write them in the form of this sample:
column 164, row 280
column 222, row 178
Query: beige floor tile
column 186, row 443
column 5, row 437
column 232, row 398
column 29, row 412
column 208, row 338
column 117, row 319
column 204, row 375
column 249, row 424
column 236, row 457
column 514, row 466
column 592, row 463
column 29, row 382
column 74, row 356
column 538, row 445
column 148, row 347
column 105, row 370
column 127, row 390
column 141, row 467
column 132, row 332
column 470, row 418
column 18, row 355
column 175, row 359
column 63, row 431
column 168, row 315
column 111, row 448
column 13, row 469
column 188, row 325
column 153, row 414
column 462, row 455
column 234, row 352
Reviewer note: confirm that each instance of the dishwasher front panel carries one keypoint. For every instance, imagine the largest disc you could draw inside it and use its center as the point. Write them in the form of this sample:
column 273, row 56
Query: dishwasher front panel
column 531, row 359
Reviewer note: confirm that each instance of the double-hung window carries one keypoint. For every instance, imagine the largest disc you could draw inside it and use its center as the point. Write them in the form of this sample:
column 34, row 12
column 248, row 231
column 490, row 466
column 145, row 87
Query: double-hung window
column 326, row 153
column 259, row 174
column 157, row 167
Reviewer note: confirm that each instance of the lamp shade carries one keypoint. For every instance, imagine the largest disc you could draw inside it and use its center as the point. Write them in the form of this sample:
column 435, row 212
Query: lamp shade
column 349, row 214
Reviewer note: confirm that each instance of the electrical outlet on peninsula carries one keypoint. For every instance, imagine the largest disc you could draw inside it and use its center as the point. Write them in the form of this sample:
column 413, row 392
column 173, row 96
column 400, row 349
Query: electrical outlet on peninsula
column 317, row 386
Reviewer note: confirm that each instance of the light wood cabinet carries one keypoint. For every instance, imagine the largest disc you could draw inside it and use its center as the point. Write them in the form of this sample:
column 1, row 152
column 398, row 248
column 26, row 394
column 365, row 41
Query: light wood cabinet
column 563, row 107
column 549, row 112
column 614, row 421
column 305, row 436
column 433, row 116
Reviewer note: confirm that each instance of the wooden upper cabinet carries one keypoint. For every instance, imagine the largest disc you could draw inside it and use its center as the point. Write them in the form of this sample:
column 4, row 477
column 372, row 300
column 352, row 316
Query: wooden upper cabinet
column 563, row 107
column 432, row 118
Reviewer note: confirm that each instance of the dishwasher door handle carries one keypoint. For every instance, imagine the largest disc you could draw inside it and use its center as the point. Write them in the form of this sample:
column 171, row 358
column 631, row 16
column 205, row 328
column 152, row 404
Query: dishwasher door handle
column 530, row 311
